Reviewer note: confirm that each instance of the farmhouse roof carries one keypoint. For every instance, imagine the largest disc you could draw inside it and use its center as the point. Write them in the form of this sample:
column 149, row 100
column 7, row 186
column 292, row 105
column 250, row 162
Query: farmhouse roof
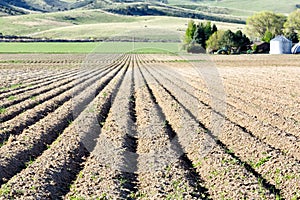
column 259, row 43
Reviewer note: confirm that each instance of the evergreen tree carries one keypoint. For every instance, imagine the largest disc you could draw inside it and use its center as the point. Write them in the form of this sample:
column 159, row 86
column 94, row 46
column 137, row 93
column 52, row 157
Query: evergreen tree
column 203, row 33
column 214, row 29
column 228, row 39
column 213, row 43
column 240, row 40
column 207, row 30
column 199, row 36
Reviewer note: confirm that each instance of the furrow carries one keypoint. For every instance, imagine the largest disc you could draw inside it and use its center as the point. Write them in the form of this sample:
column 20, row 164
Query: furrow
column 260, row 158
column 283, row 116
column 14, row 100
column 165, row 172
column 34, row 140
column 223, row 179
column 13, row 111
column 29, row 117
column 33, row 86
column 109, row 172
column 249, row 124
column 21, row 86
column 90, row 60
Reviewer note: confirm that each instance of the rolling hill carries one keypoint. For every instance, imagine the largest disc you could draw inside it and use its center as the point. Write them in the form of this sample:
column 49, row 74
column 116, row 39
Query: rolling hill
column 236, row 8
column 142, row 19
column 139, row 8
column 98, row 24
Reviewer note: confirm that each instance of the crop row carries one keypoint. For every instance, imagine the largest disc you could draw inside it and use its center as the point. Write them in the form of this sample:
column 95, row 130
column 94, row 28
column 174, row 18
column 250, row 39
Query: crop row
column 144, row 127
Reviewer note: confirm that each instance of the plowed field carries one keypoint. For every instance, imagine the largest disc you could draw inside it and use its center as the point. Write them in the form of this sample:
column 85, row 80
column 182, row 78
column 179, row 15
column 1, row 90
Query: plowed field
column 141, row 126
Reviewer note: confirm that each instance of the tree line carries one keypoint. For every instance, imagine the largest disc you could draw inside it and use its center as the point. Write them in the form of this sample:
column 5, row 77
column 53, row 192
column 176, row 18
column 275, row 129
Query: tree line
column 206, row 37
column 262, row 26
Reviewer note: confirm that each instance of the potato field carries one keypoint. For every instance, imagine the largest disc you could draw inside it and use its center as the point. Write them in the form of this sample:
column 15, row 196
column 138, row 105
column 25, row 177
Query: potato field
column 149, row 126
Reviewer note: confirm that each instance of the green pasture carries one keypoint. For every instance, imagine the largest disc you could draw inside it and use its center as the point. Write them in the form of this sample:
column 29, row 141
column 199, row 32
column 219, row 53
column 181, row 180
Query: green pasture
column 90, row 47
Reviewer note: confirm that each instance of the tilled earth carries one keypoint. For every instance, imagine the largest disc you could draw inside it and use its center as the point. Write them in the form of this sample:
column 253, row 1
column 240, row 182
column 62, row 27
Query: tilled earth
column 149, row 127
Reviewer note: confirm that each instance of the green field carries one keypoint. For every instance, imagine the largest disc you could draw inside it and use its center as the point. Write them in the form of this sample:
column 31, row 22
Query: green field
column 90, row 47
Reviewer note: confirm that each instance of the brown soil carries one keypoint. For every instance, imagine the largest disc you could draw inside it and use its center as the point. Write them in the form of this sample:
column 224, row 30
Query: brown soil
column 149, row 127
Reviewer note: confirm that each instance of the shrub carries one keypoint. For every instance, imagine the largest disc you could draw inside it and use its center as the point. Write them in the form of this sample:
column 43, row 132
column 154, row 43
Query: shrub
column 195, row 48
column 254, row 48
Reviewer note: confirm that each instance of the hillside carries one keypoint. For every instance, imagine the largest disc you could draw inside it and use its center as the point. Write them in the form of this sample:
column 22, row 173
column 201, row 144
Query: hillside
column 162, row 20
column 238, row 7
column 136, row 8
column 98, row 24
column 44, row 5
column 221, row 9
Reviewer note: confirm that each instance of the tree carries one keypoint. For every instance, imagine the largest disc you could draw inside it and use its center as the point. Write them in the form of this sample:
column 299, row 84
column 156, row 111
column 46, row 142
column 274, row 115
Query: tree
column 227, row 39
column 241, row 40
column 293, row 36
column 258, row 24
column 203, row 32
column 292, row 25
column 195, row 48
column 199, row 35
column 213, row 43
column 214, row 29
column 207, row 30
column 268, row 37
column 189, row 33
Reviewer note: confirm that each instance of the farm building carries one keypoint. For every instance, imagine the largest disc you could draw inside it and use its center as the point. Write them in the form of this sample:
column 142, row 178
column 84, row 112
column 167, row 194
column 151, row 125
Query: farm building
column 296, row 49
column 280, row 45
column 261, row 47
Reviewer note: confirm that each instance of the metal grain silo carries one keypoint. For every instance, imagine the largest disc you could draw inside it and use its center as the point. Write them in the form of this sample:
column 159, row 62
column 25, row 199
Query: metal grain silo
column 280, row 45
column 296, row 49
